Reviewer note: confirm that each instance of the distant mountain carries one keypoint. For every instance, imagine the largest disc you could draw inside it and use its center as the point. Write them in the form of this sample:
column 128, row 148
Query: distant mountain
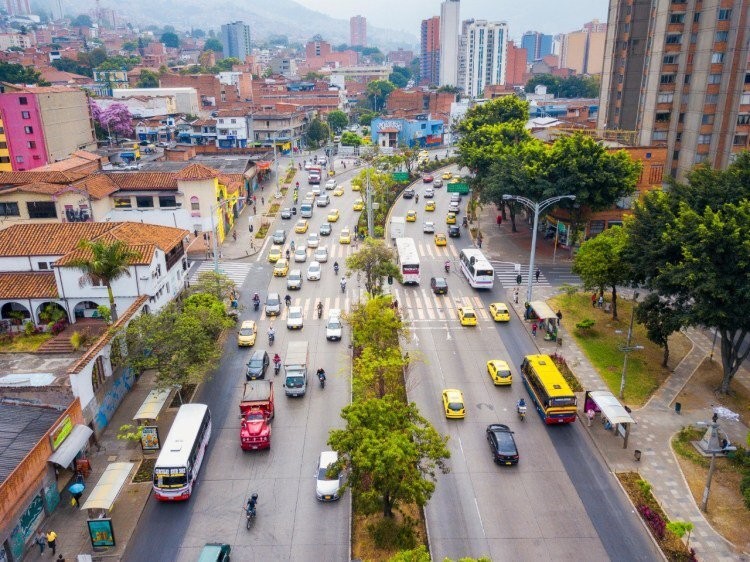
column 265, row 18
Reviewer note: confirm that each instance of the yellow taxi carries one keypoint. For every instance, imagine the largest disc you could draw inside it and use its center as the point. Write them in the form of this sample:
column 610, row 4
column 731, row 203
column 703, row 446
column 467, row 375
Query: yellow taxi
column 274, row 254
column 451, row 218
column 453, row 403
column 301, row 226
column 339, row 191
column 447, row 175
column 441, row 240
column 359, row 205
column 430, row 206
column 345, row 237
column 333, row 215
column 499, row 372
column 467, row 316
column 281, row 268
column 247, row 333
column 499, row 312
column 411, row 216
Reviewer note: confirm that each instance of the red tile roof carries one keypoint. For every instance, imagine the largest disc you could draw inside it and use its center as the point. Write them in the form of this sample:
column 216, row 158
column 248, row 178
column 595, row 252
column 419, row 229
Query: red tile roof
column 27, row 285
column 134, row 181
column 196, row 172
column 18, row 178
column 98, row 185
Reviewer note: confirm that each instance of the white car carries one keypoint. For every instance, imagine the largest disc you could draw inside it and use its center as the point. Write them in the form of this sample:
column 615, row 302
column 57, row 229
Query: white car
column 330, row 184
column 315, row 190
column 321, row 254
column 300, row 255
column 322, row 161
column 323, row 200
column 294, row 279
column 429, row 193
column 454, row 208
column 313, row 240
column 294, row 318
column 428, row 227
column 313, row 271
column 334, row 327
column 327, row 488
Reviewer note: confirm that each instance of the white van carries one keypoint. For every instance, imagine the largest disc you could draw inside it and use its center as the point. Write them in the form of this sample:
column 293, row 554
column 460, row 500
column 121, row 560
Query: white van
column 334, row 327
column 306, row 210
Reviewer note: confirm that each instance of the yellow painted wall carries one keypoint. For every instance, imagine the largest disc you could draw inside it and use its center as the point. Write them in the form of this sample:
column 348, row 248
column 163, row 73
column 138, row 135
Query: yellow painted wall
column 4, row 153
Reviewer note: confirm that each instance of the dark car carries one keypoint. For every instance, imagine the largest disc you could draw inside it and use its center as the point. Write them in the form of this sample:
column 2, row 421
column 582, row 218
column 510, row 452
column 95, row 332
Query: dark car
column 502, row 444
column 454, row 231
column 439, row 285
column 256, row 367
column 325, row 229
column 286, row 213
column 408, row 193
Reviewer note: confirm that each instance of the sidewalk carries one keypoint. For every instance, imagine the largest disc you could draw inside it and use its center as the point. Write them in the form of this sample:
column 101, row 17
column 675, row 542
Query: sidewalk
column 656, row 422
column 70, row 523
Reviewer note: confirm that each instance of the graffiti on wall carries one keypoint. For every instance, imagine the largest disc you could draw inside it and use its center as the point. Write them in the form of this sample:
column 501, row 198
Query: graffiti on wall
column 26, row 527
column 51, row 496
column 112, row 399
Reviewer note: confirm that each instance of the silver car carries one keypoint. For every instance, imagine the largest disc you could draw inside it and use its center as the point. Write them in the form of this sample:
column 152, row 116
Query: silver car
column 321, row 254
column 273, row 304
column 334, row 327
column 428, row 227
column 300, row 255
column 294, row 279
column 313, row 240
column 327, row 488
column 294, row 318
column 313, row 271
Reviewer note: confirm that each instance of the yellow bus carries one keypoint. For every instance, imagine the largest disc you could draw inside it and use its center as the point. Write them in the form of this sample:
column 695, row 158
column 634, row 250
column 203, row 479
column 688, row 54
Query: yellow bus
column 553, row 398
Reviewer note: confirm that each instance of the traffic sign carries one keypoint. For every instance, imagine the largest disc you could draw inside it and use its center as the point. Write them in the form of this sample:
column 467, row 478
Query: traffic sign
column 400, row 176
column 458, row 187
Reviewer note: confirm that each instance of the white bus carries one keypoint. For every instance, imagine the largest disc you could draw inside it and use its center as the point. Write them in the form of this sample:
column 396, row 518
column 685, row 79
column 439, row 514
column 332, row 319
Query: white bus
column 477, row 269
column 181, row 456
column 408, row 260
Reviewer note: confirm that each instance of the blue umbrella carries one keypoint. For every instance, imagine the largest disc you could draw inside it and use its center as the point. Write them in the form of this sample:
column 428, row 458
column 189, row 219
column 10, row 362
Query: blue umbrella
column 76, row 488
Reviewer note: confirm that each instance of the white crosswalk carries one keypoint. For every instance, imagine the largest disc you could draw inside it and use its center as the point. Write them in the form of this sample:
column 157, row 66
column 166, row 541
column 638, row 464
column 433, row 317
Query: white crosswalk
column 426, row 249
column 236, row 271
column 309, row 307
column 506, row 274
column 420, row 304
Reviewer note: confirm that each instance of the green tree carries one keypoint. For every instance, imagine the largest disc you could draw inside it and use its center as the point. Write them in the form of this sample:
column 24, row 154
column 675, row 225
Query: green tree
column 400, row 76
column 313, row 76
column 104, row 262
column 118, row 63
column 226, row 64
column 500, row 110
column 148, row 79
column 212, row 283
column 661, row 319
column 392, row 453
column 337, row 120
column 419, row 554
column 375, row 324
column 379, row 372
column 170, row 39
column 376, row 261
column 317, row 132
column 366, row 117
column 197, row 33
column 377, row 92
column 82, row 21
column 350, row 139
column 600, row 263
column 580, row 166
column 214, row 45
column 130, row 46
column 571, row 87
column 19, row 74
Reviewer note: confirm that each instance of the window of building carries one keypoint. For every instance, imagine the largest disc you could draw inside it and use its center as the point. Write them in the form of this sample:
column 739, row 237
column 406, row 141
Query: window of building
column 144, row 202
column 9, row 209
column 717, row 58
column 693, row 38
column 667, row 79
column 714, row 78
column 674, row 39
column 662, row 117
column 666, row 97
column 743, row 118
column 704, row 139
column 725, row 14
column 707, row 119
column 4, row 159
column 3, row 144
column 30, row 144
column 745, row 98
column 233, row 120
column 721, row 36
column 596, row 227
column 740, row 140
column 678, row 137
column 686, row 79
column 40, row 265
column 681, row 118
column 747, row 78
column 41, row 209
column 123, row 203
column 167, row 201
column 675, row 155
column 25, row 115
column 23, row 100
column 700, row 158
column 195, row 204
column 28, row 130
column 19, row 159
column 696, row 17
column 670, row 59
column 677, row 17
column 712, row 98
column 659, row 136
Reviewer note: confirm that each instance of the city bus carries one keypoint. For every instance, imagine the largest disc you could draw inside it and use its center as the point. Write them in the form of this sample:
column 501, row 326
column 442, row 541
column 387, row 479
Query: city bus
column 408, row 260
column 477, row 269
column 553, row 398
column 180, row 459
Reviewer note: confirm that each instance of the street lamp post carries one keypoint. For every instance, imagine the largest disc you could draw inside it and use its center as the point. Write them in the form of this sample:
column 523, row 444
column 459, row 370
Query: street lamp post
column 628, row 348
column 214, row 235
column 537, row 207
column 714, row 447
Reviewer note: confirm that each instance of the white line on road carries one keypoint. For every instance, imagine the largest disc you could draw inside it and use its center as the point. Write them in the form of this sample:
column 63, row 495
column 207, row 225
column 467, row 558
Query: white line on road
column 476, row 503
column 263, row 249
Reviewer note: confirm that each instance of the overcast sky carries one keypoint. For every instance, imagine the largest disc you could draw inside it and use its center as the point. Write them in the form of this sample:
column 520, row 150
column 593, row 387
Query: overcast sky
column 547, row 16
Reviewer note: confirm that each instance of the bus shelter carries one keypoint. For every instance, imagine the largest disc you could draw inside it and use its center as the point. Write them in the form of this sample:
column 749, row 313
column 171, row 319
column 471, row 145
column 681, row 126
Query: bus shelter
column 152, row 405
column 100, row 502
column 540, row 312
column 614, row 414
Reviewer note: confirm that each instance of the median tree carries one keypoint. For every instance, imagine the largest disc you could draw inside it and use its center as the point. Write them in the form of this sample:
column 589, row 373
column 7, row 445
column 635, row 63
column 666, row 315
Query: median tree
column 391, row 452
column 375, row 260
column 379, row 372
column 661, row 319
column 375, row 323
column 600, row 263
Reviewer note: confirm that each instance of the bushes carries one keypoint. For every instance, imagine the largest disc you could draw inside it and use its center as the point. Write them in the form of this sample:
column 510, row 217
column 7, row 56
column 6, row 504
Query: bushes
column 388, row 534
column 745, row 489
column 654, row 520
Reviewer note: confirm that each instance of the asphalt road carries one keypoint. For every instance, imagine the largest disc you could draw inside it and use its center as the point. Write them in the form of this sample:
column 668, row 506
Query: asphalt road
column 560, row 501
column 291, row 523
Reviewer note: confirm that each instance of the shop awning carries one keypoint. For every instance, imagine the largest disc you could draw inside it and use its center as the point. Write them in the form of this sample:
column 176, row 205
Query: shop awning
column 152, row 405
column 72, row 445
column 105, row 492
column 610, row 406
column 543, row 311
column 263, row 165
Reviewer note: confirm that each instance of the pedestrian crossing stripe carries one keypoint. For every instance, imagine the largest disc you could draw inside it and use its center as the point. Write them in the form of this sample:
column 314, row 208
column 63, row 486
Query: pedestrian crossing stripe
column 422, row 305
column 310, row 307
column 338, row 251
column 236, row 271
column 506, row 274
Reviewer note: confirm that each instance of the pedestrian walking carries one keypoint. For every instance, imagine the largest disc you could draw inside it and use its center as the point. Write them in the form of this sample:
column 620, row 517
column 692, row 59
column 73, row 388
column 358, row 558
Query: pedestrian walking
column 537, row 273
column 499, row 219
column 255, row 209
column 41, row 542
column 234, row 235
column 559, row 315
column 76, row 501
column 60, row 558
column 515, row 295
column 601, row 301
column 590, row 413
column 533, row 329
column 593, row 300
column 262, row 200
column 52, row 541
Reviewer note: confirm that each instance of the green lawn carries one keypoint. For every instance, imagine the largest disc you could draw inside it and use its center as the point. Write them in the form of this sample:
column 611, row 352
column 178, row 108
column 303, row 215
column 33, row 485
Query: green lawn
column 23, row 343
column 601, row 345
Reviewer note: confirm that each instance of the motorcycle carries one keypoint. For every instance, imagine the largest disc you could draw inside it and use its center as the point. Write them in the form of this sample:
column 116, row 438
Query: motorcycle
column 276, row 367
column 249, row 517
column 343, row 287
column 322, row 379
column 336, row 268
column 521, row 412
column 256, row 305
column 447, row 267
column 271, row 337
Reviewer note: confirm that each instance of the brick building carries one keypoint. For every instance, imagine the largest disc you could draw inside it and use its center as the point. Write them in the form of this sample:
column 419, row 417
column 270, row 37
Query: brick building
column 410, row 103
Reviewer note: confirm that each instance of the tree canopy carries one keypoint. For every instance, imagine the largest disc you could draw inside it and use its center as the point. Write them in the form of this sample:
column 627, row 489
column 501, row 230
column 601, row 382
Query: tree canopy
column 337, row 120
column 213, row 44
column 148, row 79
column 570, row 87
column 376, row 261
column 317, row 132
column 82, row 20
column 377, row 93
column 170, row 39
column 19, row 74
column 400, row 76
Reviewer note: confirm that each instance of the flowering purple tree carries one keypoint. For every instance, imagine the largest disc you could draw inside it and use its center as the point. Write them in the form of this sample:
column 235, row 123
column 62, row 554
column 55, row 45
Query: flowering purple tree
column 114, row 119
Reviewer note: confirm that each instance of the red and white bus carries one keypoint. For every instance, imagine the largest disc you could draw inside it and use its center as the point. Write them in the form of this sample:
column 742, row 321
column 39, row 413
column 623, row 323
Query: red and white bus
column 408, row 260
column 181, row 456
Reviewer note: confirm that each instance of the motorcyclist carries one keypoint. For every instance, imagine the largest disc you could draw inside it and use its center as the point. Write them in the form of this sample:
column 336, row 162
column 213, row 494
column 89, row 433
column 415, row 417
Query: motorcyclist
column 287, row 254
column 292, row 245
column 521, row 404
column 416, row 198
column 250, row 508
column 321, row 375
column 336, row 267
column 320, row 309
column 256, row 298
column 343, row 284
column 447, row 266
column 277, row 358
column 276, row 363
column 271, row 333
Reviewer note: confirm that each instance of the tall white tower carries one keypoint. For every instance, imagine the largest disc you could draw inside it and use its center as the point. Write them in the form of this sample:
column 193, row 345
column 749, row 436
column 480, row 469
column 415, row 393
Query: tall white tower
column 485, row 54
column 449, row 22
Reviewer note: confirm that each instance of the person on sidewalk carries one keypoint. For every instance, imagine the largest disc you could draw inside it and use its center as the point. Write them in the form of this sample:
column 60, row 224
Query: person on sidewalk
column 234, row 235
column 41, row 542
column 52, row 541
column 593, row 300
column 60, row 558
column 590, row 413
column 533, row 329
column 77, row 499
column 515, row 295
column 537, row 273
column 601, row 301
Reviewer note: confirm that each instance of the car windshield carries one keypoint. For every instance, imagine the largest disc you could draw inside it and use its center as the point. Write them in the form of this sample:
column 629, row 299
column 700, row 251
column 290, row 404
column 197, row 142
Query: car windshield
column 256, row 363
column 295, row 314
column 246, row 332
column 468, row 314
column 272, row 302
column 323, row 474
column 294, row 276
column 455, row 406
column 440, row 282
column 295, row 382
column 334, row 325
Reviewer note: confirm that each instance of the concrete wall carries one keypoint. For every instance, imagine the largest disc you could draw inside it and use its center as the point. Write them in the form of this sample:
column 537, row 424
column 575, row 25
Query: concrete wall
column 67, row 123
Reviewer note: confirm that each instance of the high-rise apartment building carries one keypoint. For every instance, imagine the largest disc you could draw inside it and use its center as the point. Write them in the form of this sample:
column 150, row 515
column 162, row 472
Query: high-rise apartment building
column 485, row 47
column 676, row 73
column 537, row 45
column 429, row 56
column 583, row 50
column 17, row 7
column 235, row 38
column 449, row 37
column 358, row 31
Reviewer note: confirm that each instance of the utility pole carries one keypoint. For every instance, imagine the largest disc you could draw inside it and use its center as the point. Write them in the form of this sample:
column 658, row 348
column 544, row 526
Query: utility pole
column 370, row 212
column 628, row 348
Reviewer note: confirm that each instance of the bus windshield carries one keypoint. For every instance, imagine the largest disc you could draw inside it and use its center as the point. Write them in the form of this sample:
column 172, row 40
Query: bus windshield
column 170, row 477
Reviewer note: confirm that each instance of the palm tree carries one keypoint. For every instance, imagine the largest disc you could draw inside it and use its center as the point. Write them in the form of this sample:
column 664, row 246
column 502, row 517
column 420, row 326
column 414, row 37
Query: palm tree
column 104, row 262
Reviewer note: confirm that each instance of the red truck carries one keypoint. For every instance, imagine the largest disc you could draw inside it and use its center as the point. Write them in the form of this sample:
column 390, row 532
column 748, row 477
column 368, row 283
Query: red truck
column 256, row 410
